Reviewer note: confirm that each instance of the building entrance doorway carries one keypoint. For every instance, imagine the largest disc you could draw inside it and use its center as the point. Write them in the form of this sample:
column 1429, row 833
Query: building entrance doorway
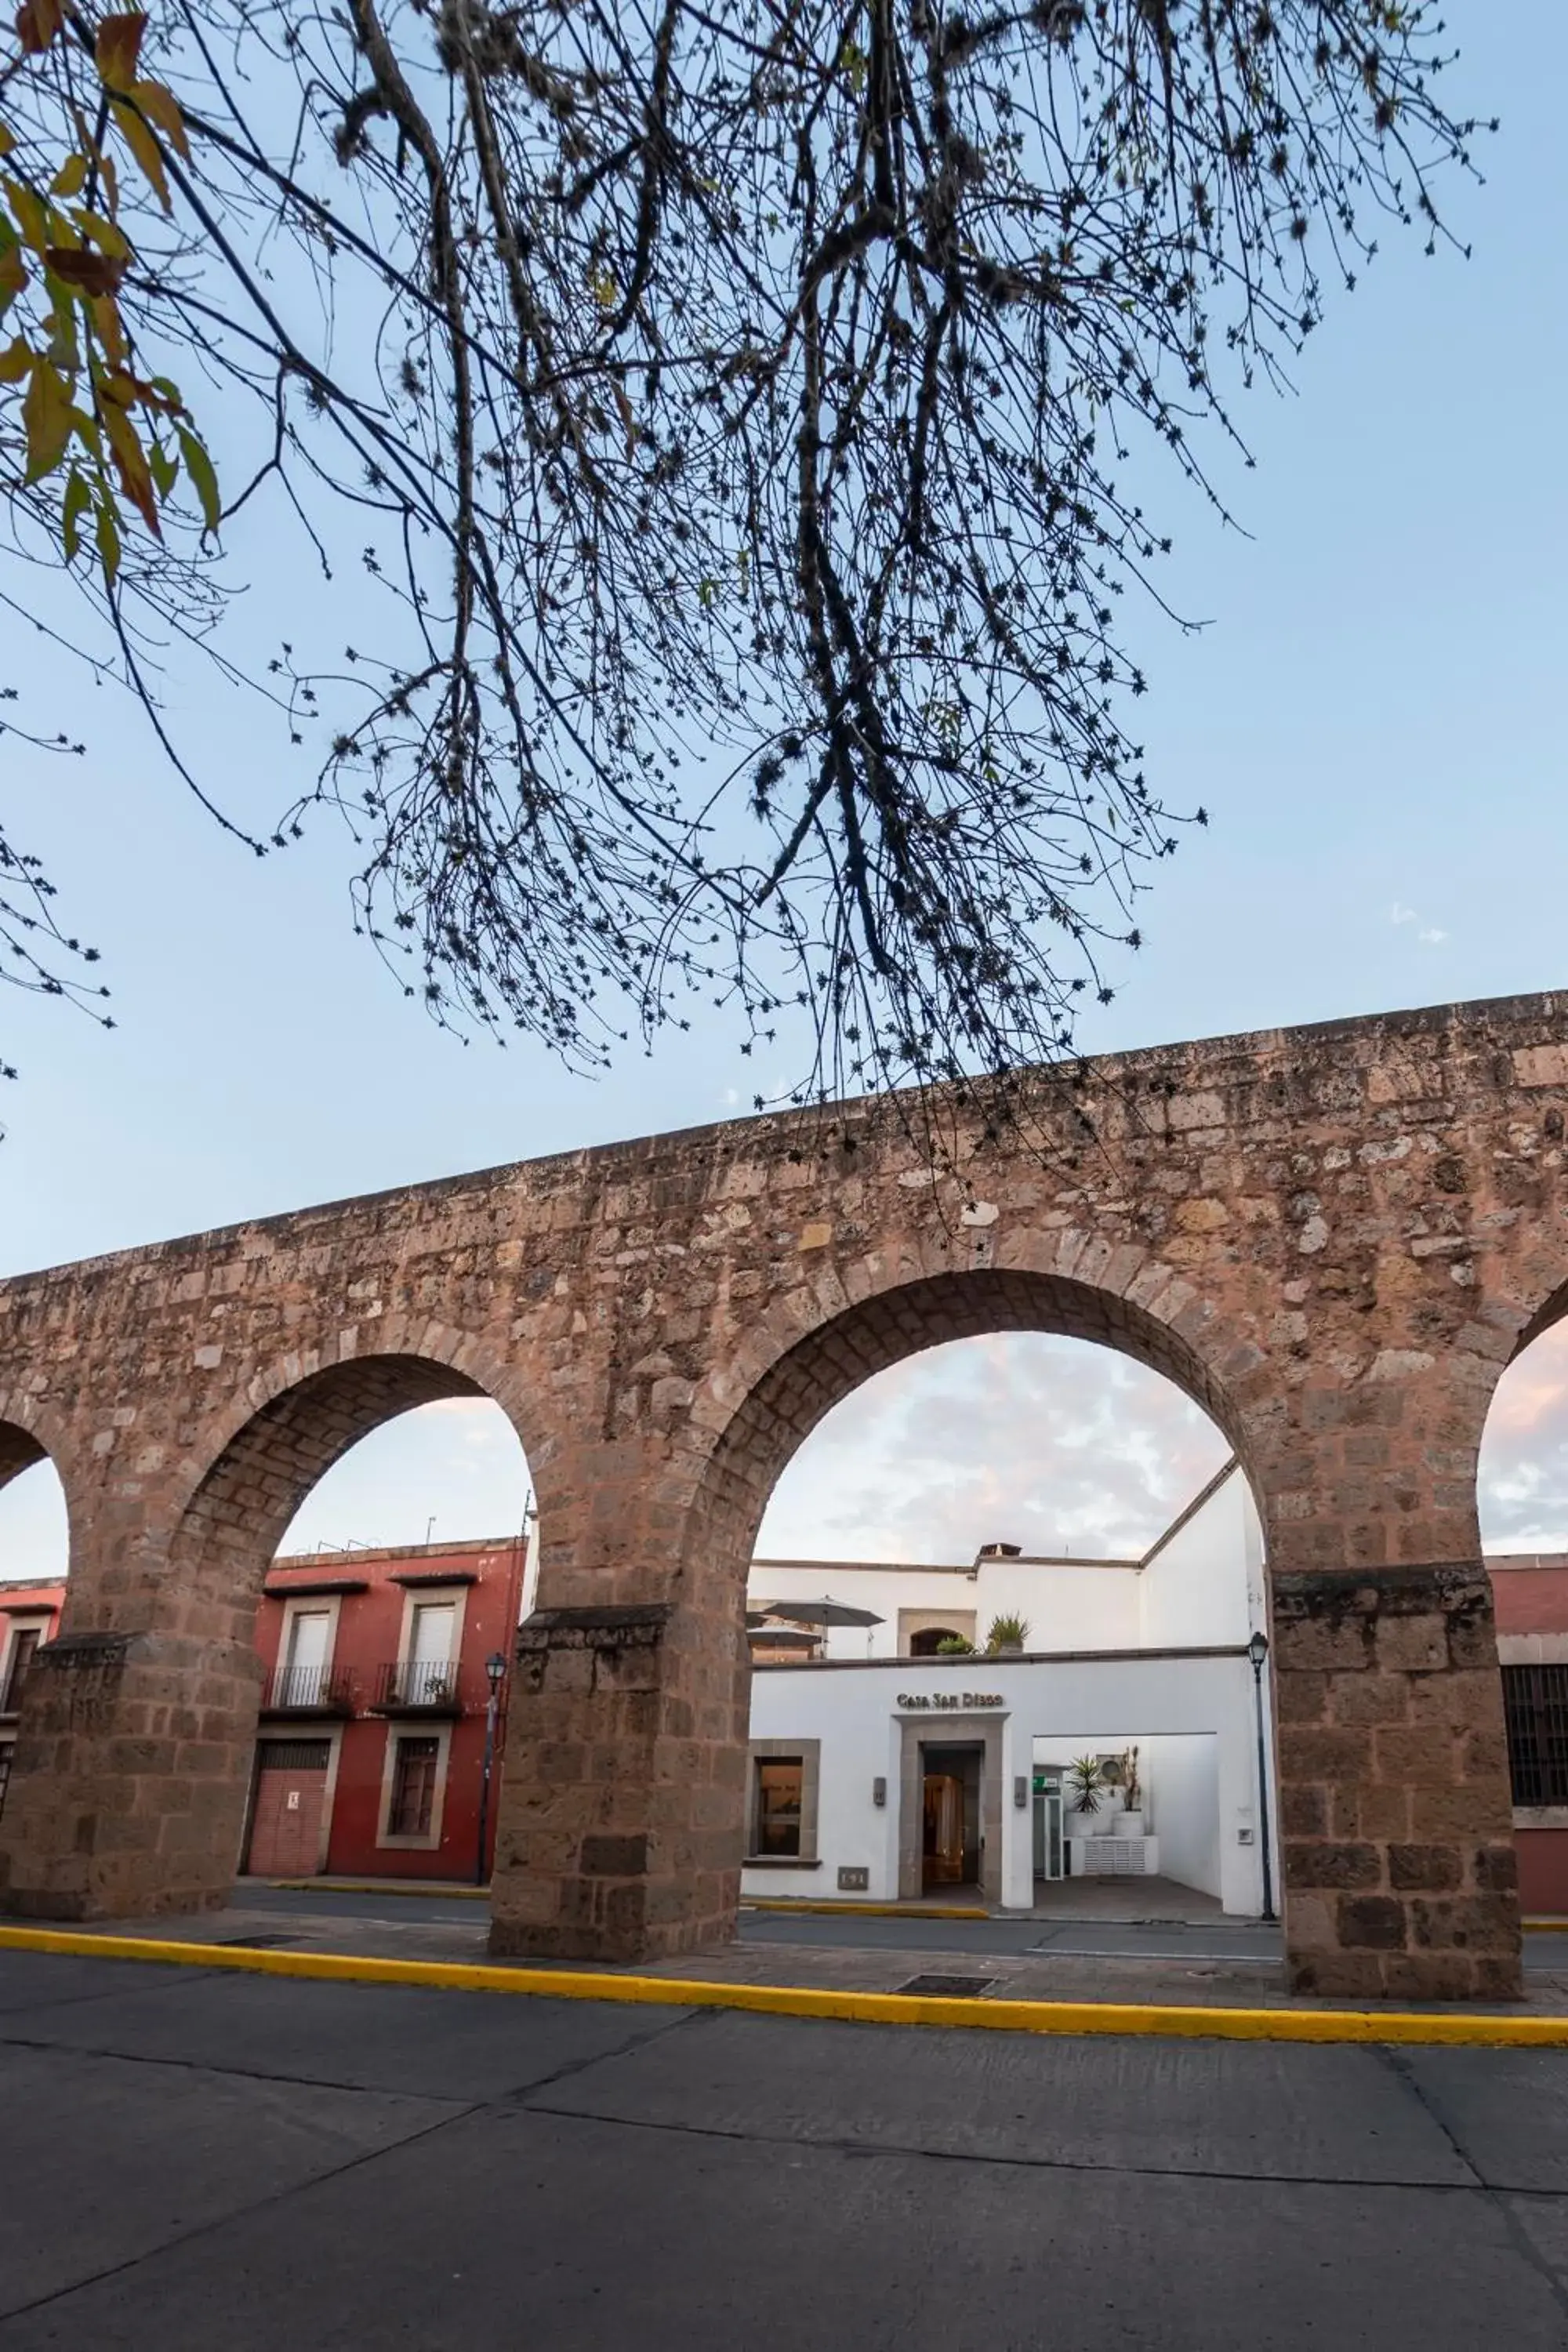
column 951, row 1842
column 288, row 1808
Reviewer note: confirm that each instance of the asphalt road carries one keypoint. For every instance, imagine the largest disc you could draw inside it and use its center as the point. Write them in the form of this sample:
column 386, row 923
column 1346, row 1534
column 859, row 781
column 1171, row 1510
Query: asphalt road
column 197, row 2159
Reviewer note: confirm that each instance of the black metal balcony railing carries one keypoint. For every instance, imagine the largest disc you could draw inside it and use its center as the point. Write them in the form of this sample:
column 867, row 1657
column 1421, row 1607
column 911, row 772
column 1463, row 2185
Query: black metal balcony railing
column 311, row 1690
column 426, row 1685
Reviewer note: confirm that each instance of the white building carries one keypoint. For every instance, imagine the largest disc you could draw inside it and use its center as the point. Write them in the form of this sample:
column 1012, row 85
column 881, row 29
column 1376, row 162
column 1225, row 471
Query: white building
column 882, row 1770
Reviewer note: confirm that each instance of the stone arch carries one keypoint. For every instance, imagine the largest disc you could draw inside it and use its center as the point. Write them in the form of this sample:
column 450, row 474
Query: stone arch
column 30, row 1433
column 235, row 1493
column 785, row 1379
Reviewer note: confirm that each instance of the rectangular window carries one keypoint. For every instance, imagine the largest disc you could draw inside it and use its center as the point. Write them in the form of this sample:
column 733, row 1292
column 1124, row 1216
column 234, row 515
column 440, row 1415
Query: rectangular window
column 413, row 1788
column 429, row 1678
column 23, row 1643
column 303, row 1682
column 779, row 1791
column 1535, row 1710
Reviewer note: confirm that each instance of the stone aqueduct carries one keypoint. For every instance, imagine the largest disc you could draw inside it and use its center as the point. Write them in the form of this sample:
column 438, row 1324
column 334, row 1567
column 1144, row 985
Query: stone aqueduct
column 1334, row 1238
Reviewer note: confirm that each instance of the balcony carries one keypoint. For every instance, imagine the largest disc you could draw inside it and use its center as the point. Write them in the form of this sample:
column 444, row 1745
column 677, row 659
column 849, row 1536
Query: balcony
column 310, row 1690
column 418, row 1687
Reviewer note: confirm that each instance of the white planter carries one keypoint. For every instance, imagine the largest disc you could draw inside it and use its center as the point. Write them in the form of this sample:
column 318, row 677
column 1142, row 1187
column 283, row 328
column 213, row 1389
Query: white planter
column 1127, row 1825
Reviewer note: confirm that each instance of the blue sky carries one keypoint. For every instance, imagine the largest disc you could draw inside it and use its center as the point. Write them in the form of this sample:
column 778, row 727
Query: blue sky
column 1372, row 716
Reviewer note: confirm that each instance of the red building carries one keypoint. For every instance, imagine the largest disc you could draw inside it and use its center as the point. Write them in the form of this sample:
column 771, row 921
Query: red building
column 1531, row 1593
column 29, row 1616
column 379, row 1667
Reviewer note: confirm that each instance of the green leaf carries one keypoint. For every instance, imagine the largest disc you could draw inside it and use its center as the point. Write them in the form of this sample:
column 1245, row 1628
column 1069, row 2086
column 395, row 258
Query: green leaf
column 108, row 537
column 79, row 500
column 164, row 467
column 203, row 481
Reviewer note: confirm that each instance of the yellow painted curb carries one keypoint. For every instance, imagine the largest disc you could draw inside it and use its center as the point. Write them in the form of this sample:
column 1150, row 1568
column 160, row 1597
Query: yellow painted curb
column 795, row 2000
column 374, row 1886
column 1544, row 1927
column 867, row 1910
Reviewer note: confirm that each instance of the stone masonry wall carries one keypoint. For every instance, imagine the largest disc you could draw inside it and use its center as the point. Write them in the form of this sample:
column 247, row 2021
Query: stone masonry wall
column 1334, row 1238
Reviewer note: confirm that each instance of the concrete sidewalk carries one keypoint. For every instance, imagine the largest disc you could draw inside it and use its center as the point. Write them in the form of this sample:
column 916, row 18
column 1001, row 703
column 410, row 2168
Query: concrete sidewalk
column 201, row 2160
column 797, row 1952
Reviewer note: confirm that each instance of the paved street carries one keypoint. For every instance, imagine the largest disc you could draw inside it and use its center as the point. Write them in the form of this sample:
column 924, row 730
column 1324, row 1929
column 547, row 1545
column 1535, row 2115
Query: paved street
column 199, row 2160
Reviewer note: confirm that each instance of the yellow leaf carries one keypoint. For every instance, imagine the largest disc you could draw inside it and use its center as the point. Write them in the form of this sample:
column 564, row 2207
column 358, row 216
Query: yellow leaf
column 103, row 233
column 13, row 276
column 130, row 463
column 30, row 214
column 111, row 180
column 72, row 177
column 118, row 46
column 16, row 362
column 160, row 106
column 105, row 315
column 7, row 139
column 143, row 146
column 45, row 420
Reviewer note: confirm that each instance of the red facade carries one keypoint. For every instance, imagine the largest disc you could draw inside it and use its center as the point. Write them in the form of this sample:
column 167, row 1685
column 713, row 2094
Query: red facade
column 29, row 1616
column 370, row 1751
column 1529, row 1592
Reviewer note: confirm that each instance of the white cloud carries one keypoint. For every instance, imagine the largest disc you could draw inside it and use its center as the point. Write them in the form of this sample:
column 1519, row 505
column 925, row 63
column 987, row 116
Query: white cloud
column 1428, row 934
column 1016, row 1438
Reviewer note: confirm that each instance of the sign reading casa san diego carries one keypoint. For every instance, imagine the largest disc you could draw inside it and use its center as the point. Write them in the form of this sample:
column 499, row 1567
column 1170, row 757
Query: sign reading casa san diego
column 966, row 1700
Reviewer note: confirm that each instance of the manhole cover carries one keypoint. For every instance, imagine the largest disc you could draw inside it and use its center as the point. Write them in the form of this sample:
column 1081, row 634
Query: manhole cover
column 948, row 1988
column 256, row 1943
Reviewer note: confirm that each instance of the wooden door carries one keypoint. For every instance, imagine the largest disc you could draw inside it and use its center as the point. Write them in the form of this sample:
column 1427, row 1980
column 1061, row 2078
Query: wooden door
column 290, row 1802
column 943, row 1840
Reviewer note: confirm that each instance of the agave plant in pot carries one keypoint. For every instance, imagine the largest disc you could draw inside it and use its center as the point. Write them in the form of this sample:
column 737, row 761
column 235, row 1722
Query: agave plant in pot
column 1085, row 1786
column 1006, row 1637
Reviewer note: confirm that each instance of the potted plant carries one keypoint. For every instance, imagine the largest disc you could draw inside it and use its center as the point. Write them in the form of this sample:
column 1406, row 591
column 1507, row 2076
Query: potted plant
column 1086, row 1785
column 1006, row 1637
column 1132, row 1787
column 953, row 1645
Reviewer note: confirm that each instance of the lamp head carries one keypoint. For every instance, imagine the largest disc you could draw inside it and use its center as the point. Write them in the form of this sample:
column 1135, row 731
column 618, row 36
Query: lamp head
column 495, row 1666
column 1258, row 1650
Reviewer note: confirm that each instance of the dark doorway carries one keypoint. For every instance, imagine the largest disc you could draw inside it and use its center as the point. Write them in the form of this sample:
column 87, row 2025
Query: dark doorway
column 950, row 1835
column 928, row 1641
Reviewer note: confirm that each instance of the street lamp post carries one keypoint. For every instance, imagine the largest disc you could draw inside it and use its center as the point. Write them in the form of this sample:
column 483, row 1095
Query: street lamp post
column 495, row 1667
column 1257, row 1650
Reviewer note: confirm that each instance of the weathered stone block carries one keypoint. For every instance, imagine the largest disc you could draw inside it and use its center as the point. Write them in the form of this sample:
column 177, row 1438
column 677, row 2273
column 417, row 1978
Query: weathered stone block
column 1327, row 1862
column 1424, row 1868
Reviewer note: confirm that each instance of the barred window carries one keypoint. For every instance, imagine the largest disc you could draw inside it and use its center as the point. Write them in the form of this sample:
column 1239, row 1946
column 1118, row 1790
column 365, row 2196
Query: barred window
column 1535, row 1707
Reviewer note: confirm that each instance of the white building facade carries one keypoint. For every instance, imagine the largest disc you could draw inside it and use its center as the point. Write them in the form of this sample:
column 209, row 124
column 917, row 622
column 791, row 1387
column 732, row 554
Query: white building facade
column 881, row 1771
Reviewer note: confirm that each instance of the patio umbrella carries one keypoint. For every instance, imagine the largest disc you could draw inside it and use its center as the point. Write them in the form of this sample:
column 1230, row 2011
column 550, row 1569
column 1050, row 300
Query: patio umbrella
column 821, row 1613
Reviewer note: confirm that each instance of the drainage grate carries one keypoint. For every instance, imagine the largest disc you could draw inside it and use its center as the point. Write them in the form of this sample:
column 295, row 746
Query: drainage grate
column 257, row 1943
column 948, row 1988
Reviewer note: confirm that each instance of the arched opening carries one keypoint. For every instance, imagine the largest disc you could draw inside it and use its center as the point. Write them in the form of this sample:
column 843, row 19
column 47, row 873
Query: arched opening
column 1522, row 1503
column 927, row 1640
column 331, row 1708
column 388, row 1511
column 34, row 1553
column 1011, row 1506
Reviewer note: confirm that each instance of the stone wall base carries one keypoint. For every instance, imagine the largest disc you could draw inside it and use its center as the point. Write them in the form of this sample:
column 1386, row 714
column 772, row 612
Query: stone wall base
column 128, row 1791
column 621, row 1816
column 1395, row 1819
